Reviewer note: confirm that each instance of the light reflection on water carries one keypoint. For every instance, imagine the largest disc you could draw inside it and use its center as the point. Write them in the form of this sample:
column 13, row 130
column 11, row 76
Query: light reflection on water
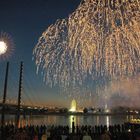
column 67, row 120
column 72, row 119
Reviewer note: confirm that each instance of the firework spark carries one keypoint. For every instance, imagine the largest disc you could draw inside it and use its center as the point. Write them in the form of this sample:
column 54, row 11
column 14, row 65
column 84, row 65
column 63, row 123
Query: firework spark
column 100, row 39
column 6, row 45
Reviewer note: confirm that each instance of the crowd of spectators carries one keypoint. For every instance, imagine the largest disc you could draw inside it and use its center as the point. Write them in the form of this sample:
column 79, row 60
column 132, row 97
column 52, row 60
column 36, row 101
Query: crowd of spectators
column 115, row 132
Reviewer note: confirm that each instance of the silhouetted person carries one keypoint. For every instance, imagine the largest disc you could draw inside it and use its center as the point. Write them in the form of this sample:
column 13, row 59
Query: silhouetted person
column 105, row 135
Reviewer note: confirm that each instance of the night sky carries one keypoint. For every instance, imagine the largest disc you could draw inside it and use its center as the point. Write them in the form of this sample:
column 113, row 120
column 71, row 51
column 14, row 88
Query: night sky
column 25, row 20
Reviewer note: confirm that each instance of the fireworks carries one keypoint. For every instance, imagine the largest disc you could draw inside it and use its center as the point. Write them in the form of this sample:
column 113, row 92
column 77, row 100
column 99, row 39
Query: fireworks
column 100, row 39
column 6, row 45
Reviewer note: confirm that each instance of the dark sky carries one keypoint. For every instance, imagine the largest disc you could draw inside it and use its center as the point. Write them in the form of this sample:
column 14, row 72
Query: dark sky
column 25, row 20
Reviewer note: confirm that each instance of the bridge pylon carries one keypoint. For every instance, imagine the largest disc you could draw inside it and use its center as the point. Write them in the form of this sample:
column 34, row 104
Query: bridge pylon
column 19, row 95
column 4, row 95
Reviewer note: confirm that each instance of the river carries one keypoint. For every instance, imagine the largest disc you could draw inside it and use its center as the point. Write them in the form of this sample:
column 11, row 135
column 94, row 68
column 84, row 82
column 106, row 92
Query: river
column 67, row 120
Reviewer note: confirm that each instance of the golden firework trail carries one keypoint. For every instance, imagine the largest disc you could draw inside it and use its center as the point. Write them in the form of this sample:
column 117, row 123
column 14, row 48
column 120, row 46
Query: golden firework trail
column 101, row 38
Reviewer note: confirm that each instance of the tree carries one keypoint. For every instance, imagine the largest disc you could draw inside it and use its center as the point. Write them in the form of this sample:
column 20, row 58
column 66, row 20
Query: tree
column 85, row 110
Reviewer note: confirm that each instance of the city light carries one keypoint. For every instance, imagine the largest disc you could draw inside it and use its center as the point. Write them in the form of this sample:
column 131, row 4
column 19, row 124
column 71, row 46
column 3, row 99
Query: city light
column 73, row 106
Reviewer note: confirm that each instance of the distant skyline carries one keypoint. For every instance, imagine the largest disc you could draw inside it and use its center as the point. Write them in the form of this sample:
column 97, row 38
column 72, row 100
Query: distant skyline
column 25, row 21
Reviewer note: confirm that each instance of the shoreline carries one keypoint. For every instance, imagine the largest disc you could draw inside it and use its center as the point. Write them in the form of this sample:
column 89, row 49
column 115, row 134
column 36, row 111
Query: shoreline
column 71, row 113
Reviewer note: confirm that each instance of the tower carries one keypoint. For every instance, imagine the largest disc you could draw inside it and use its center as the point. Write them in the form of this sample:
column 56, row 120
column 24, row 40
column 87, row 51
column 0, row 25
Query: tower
column 73, row 106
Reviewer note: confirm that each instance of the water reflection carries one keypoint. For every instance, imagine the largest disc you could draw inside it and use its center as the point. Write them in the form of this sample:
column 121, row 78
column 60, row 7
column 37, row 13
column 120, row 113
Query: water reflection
column 67, row 120
column 107, row 121
column 97, row 120
column 72, row 119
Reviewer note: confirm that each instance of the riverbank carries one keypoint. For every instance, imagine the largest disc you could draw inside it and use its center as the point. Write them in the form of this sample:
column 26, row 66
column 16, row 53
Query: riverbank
column 71, row 113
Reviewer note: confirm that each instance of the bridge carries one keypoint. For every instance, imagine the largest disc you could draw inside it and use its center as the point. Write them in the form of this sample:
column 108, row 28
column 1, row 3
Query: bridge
column 24, row 109
column 17, row 105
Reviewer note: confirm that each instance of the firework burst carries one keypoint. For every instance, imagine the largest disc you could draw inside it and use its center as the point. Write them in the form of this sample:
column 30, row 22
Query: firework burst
column 100, row 39
column 6, row 45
